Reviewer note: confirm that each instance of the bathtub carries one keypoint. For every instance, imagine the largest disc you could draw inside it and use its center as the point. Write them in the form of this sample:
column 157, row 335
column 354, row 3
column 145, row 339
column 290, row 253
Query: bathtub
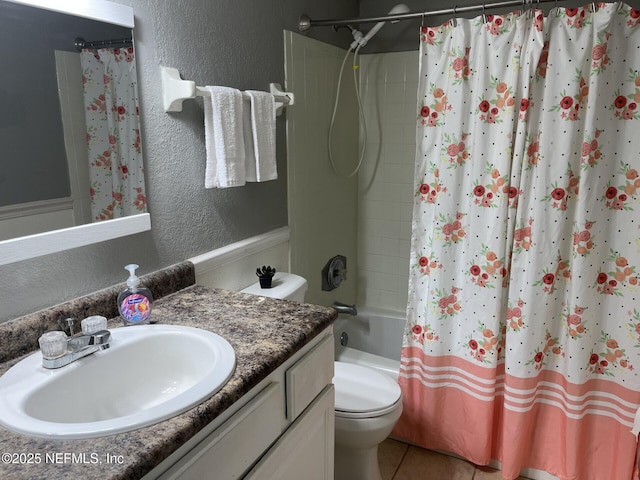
column 372, row 338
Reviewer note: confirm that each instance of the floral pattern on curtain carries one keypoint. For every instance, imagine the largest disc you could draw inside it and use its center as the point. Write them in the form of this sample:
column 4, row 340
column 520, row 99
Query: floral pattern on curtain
column 523, row 322
column 113, row 133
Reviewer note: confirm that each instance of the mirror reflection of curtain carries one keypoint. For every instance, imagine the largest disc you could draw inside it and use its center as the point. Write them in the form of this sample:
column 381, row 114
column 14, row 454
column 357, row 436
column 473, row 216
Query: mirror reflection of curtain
column 116, row 172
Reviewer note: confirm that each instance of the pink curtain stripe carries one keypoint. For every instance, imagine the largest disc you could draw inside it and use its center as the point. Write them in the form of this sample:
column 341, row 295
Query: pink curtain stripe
column 523, row 326
column 543, row 437
column 414, row 360
column 519, row 394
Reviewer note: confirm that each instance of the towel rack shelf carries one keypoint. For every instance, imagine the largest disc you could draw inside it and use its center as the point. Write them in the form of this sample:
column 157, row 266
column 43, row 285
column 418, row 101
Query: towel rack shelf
column 175, row 90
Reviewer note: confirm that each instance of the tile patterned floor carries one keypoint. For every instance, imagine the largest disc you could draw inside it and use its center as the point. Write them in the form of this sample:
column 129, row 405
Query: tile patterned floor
column 399, row 461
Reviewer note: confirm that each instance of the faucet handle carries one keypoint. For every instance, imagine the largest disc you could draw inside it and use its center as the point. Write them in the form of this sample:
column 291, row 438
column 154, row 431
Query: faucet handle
column 93, row 324
column 53, row 344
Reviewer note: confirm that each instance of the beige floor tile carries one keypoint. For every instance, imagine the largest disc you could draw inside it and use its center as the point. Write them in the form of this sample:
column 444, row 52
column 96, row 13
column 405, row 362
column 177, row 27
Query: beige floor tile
column 390, row 454
column 419, row 464
column 487, row 473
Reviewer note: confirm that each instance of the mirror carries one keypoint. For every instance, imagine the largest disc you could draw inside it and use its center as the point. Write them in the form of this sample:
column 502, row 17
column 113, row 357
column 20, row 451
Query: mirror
column 44, row 180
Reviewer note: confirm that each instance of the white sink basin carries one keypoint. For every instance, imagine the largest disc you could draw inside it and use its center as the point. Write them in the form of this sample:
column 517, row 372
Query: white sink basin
column 150, row 373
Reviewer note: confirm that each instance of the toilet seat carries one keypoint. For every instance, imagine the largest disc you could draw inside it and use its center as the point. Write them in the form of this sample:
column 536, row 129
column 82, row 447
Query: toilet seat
column 362, row 392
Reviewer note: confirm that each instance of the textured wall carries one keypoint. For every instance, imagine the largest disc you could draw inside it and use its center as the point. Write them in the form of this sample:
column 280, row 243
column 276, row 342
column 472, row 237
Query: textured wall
column 235, row 43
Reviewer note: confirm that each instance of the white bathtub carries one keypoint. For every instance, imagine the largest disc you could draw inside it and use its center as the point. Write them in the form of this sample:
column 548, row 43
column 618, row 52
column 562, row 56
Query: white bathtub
column 374, row 339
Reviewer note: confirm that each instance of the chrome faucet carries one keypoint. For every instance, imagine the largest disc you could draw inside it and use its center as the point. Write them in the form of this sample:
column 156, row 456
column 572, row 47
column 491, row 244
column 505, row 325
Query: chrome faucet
column 342, row 308
column 79, row 346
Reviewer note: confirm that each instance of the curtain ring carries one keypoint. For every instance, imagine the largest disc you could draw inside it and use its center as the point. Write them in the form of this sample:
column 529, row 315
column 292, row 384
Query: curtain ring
column 484, row 14
column 594, row 7
column 422, row 19
column 455, row 15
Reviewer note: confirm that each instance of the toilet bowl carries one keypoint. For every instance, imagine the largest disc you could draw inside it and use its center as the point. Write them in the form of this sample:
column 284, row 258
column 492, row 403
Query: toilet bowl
column 368, row 405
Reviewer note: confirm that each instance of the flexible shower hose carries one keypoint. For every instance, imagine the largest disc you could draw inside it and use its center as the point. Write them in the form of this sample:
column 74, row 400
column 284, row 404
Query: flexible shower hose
column 360, row 113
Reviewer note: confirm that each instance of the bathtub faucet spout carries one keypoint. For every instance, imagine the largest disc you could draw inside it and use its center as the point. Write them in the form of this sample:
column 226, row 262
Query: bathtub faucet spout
column 342, row 308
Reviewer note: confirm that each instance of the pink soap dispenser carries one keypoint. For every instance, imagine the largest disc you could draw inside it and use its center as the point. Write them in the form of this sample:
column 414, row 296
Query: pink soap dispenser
column 134, row 303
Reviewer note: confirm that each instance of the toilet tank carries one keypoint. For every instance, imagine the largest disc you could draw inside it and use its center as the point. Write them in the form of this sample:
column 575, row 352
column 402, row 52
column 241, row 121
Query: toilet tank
column 287, row 286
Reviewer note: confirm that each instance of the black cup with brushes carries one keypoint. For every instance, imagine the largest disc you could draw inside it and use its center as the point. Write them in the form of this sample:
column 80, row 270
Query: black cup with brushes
column 265, row 274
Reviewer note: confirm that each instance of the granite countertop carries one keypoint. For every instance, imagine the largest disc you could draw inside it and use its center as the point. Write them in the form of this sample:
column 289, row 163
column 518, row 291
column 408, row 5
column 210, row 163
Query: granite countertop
column 264, row 333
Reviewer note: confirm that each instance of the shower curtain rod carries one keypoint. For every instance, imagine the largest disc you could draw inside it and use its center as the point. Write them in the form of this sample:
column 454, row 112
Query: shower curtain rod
column 81, row 43
column 306, row 23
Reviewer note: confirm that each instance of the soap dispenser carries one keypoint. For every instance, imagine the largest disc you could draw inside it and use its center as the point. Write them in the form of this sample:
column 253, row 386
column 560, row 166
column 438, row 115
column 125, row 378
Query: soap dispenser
column 134, row 303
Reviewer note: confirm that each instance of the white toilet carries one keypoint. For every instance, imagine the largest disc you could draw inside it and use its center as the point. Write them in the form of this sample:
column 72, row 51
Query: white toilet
column 368, row 403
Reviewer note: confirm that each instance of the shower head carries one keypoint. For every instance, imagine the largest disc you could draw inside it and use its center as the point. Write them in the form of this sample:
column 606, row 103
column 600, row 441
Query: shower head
column 398, row 9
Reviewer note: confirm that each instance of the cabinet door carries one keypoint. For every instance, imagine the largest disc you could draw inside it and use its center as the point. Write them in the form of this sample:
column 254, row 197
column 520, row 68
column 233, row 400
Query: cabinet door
column 306, row 448
column 306, row 379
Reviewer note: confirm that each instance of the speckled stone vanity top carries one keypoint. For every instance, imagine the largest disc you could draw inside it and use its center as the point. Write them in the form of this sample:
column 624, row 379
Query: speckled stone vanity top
column 264, row 333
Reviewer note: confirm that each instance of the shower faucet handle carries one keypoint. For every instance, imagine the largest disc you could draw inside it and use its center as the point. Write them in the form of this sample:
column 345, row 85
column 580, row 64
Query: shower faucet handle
column 337, row 271
column 334, row 273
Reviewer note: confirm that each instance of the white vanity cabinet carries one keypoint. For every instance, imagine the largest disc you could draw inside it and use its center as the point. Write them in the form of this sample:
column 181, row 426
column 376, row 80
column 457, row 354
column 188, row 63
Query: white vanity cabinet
column 281, row 429
column 305, row 451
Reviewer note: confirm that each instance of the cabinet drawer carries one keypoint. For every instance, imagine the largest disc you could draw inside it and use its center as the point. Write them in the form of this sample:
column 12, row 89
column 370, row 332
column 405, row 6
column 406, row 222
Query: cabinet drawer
column 232, row 448
column 308, row 377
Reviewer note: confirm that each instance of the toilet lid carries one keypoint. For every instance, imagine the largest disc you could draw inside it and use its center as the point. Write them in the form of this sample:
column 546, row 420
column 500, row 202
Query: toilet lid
column 361, row 390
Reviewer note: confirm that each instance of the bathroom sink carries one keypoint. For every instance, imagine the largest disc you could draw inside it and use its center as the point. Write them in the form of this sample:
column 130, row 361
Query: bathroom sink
column 150, row 373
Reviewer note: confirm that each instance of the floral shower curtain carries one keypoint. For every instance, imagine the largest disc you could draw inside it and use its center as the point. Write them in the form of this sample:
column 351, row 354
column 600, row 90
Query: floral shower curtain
column 113, row 133
column 523, row 322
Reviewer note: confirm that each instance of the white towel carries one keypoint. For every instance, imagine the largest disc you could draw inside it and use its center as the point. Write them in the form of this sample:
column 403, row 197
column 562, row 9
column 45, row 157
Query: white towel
column 224, row 138
column 261, row 166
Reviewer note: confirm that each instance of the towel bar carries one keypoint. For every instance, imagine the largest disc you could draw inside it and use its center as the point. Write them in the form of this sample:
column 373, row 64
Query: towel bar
column 175, row 90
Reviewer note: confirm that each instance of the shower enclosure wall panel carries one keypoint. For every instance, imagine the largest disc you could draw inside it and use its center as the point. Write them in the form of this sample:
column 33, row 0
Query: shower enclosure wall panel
column 367, row 218
column 322, row 205
column 389, row 82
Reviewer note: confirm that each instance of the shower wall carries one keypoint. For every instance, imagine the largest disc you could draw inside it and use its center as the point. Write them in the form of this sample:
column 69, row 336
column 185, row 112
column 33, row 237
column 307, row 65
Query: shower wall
column 322, row 205
column 389, row 82
column 367, row 217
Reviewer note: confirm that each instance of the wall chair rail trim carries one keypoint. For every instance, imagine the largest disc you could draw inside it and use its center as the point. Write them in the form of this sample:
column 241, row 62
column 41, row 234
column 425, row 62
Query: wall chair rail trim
column 236, row 251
